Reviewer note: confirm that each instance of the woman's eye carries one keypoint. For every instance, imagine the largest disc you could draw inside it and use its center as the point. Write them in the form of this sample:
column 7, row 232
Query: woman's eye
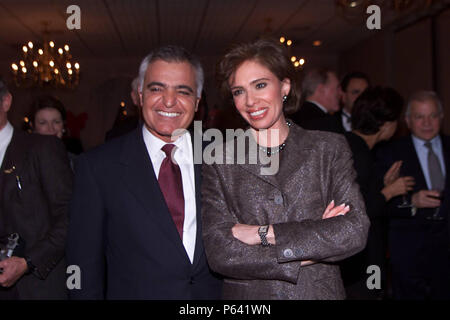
column 236, row 92
column 261, row 85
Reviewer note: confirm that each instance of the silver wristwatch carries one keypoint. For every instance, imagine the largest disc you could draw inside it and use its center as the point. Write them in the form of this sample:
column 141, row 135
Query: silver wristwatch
column 262, row 231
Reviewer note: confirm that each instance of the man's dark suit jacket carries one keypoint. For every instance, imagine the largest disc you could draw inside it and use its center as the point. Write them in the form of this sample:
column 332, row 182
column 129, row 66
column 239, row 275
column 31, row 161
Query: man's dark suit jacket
column 34, row 203
column 122, row 235
column 417, row 245
column 311, row 117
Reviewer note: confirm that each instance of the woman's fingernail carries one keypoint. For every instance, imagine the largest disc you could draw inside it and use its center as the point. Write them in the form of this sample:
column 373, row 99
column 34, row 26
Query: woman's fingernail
column 347, row 207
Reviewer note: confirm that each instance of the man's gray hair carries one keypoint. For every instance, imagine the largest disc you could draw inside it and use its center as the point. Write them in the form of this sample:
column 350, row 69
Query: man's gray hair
column 173, row 53
column 312, row 80
column 422, row 96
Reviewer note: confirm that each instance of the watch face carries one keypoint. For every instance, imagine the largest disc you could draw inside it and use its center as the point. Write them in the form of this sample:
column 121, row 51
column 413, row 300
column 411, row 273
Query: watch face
column 263, row 229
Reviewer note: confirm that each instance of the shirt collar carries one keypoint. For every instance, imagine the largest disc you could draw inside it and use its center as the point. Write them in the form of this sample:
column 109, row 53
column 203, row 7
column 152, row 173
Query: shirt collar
column 435, row 142
column 321, row 107
column 154, row 145
column 6, row 133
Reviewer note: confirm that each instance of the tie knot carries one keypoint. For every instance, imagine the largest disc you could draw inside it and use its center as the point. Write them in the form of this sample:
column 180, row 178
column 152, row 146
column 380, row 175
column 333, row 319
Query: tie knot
column 167, row 149
column 428, row 145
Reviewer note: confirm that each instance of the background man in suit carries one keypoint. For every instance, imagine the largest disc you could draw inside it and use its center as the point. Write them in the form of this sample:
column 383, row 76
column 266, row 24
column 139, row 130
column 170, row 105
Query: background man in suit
column 35, row 189
column 322, row 92
column 419, row 233
column 352, row 85
column 135, row 225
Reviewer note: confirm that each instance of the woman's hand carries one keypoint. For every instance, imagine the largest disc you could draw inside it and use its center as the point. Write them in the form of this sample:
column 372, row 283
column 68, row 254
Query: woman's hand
column 249, row 233
column 393, row 173
column 398, row 187
column 332, row 211
column 246, row 233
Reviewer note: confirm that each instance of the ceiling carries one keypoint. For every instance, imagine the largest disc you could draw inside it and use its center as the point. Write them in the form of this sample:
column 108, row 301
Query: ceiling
column 131, row 28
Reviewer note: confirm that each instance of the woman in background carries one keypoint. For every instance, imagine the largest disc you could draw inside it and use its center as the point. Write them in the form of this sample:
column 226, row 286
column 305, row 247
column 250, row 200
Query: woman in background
column 275, row 235
column 374, row 119
column 48, row 117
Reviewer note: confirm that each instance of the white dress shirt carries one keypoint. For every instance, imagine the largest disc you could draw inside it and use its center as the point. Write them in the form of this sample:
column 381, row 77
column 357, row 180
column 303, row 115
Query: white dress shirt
column 346, row 120
column 184, row 157
column 5, row 138
column 422, row 154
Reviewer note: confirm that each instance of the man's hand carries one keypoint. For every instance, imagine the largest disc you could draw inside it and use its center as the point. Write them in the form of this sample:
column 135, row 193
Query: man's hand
column 13, row 268
column 426, row 199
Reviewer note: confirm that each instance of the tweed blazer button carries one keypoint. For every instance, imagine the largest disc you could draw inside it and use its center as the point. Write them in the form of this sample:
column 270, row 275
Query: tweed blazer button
column 278, row 199
column 288, row 253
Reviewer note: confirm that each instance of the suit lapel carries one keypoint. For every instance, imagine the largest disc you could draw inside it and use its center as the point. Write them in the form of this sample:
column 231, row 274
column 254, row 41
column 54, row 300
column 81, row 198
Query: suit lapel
column 139, row 177
column 446, row 151
column 412, row 165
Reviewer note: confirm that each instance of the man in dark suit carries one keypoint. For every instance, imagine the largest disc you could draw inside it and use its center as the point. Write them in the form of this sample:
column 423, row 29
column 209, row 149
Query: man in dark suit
column 419, row 231
column 35, row 189
column 135, row 227
column 322, row 92
column 352, row 85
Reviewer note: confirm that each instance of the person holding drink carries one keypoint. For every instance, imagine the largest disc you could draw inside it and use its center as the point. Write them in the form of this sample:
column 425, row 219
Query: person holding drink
column 419, row 233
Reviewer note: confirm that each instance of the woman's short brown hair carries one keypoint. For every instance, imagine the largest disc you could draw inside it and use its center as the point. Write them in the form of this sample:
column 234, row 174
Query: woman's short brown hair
column 270, row 54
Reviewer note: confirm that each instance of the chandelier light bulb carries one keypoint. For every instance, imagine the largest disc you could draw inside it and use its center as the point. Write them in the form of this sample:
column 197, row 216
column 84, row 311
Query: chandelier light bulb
column 293, row 58
column 14, row 67
column 35, row 64
column 52, row 44
column 30, row 45
column 70, row 71
column 68, row 65
column 25, row 49
column 41, row 52
column 60, row 51
column 289, row 42
column 56, row 71
column 282, row 39
column 24, row 70
column 296, row 64
column 66, row 47
column 77, row 65
column 302, row 61
column 51, row 63
column 22, row 64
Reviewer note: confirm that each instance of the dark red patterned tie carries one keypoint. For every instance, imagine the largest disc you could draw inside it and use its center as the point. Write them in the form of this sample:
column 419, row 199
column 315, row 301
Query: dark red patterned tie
column 171, row 185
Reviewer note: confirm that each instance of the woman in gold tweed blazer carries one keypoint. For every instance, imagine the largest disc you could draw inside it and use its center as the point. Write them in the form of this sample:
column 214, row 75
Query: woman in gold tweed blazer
column 276, row 234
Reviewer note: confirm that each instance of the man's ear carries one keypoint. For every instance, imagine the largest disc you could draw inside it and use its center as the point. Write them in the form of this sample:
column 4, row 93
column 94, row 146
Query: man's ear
column 408, row 122
column 6, row 102
column 140, row 98
column 196, row 104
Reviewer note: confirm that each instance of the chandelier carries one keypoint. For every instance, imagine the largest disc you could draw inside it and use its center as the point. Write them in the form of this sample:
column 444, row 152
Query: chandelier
column 46, row 66
column 297, row 62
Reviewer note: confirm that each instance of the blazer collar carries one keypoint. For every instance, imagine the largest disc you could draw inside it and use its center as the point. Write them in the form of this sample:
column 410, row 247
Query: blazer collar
column 289, row 160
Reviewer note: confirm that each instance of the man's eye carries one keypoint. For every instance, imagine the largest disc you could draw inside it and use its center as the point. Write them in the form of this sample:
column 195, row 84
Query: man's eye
column 155, row 89
column 261, row 85
column 185, row 93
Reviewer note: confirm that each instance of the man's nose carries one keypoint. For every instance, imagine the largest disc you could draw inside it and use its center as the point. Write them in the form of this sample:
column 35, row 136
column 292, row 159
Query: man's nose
column 170, row 98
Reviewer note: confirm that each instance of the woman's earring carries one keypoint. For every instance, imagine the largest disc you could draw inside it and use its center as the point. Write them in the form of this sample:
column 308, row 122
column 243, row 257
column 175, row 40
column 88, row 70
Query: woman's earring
column 284, row 98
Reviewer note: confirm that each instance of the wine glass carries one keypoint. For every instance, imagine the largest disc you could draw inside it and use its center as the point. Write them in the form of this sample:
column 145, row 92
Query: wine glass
column 436, row 215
